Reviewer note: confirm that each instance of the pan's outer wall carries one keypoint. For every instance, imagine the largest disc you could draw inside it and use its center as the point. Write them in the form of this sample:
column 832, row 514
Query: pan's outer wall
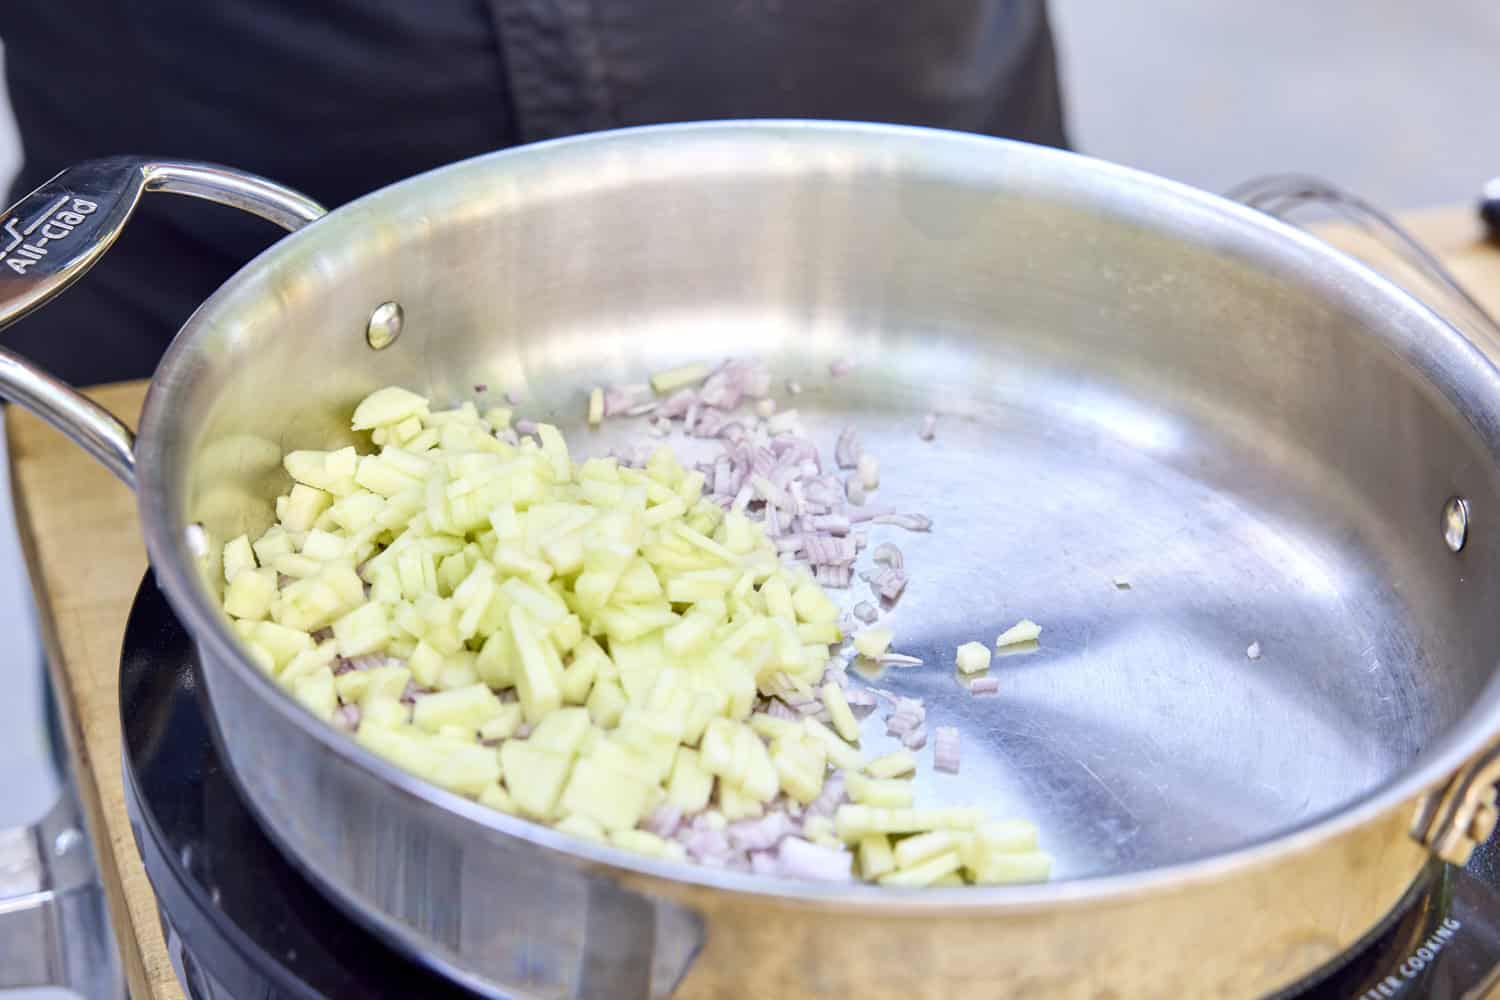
column 275, row 360
column 476, row 903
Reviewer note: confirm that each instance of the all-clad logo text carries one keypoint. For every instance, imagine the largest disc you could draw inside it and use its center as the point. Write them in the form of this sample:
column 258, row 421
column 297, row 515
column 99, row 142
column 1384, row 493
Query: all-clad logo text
column 24, row 247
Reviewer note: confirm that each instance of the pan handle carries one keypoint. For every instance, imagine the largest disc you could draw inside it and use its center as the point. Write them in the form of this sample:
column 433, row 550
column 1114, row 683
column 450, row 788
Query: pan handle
column 53, row 235
column 1461, row 813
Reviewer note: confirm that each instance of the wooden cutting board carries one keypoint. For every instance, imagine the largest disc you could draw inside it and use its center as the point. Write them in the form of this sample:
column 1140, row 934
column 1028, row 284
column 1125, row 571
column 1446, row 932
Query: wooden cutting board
column 79, row 532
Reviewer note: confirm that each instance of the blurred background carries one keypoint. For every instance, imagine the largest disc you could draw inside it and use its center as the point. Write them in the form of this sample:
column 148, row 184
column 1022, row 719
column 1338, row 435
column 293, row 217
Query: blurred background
column 1395, row 101
column 1392, row 100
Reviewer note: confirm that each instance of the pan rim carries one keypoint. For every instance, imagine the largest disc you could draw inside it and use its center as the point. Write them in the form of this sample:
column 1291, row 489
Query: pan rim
column 1434, row 346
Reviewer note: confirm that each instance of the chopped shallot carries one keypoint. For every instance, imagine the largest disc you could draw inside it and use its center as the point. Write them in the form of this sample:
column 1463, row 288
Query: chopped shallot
column 830, row 798
column 346, row 717
column 761, row 834
column 984, row 685
column 906, row 715
column 888, row 555
column 945, row 749
column 855, row 490
column 840, row 367
column 889, row 583
column 865, row 612
column 846, row 451
column 778, row 709
column 764, row 863
column 704, row 844
column 800, row 858
column 663, row 820
column 623, row 399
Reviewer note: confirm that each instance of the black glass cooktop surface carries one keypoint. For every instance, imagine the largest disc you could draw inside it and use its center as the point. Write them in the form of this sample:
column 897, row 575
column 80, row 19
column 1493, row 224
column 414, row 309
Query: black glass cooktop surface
column 242, row 923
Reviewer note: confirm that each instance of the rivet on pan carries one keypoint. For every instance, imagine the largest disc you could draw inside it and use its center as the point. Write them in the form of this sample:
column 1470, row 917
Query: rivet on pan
column 384, row 326
column 1456, row 523
column 66, row 841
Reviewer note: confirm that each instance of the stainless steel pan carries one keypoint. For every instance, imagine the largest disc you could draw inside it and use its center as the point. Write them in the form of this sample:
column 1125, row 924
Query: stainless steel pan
column 1269, row 442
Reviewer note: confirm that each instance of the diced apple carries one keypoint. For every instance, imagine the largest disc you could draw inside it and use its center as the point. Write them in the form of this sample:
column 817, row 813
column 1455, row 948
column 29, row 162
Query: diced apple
column 502, row 725
column 736, row 805
column 330, row 471
column 606, row 703
column 973, row 657
column 812, row 605
column 1023, row 631
column 841, row 753
column 1004, row 868
column 578, row 676
column 352, row 685
column 470, row 707
column 304, row 505
column 563, row 731
column 886, row 792
column 316, row 692
column 669, row 381
column 399, row 745
column 778, row 598
column 892, row 765
column 535, row 683
column 614, row 800
column 924, row 874
column 384, row 682
column 238, row 557
column 458, row 672
column 689, row 785
column 534, row 777
column 495, row 663
column 497, row 798
column 839, row 712
column 647, row 843
column 380, row 476
column 283, row 643
column 581, row 826
column 799, row 768
column 873, row 642
column 249, row 594
column 426, row 665
column 639, row 584
column 362, row 630
column 875, row 856
column 275, row 542
column 260, row 656
column 819, row 634
column 390, row 405
column 854, row 821
column 468, row 770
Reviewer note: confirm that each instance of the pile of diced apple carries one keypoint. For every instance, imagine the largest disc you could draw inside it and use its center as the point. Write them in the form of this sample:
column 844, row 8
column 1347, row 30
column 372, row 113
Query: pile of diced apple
column 634, row 620
column 574, row 643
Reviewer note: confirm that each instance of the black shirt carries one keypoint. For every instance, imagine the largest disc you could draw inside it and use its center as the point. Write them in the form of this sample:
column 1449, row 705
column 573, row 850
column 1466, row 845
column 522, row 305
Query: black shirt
column 340, row 97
